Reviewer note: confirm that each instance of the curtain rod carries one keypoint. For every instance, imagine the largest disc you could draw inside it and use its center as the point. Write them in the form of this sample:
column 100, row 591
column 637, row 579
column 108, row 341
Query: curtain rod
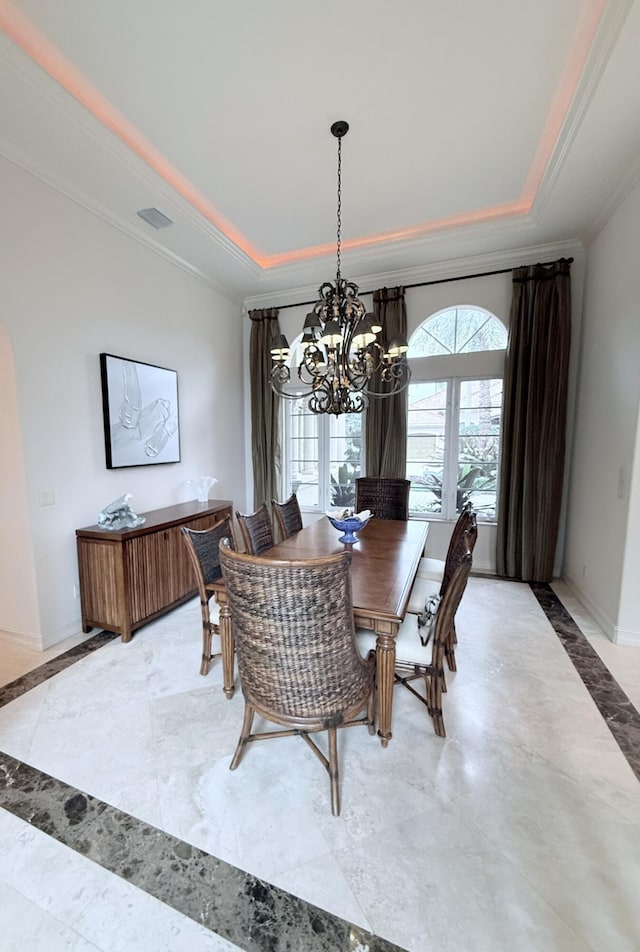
column 424, row 284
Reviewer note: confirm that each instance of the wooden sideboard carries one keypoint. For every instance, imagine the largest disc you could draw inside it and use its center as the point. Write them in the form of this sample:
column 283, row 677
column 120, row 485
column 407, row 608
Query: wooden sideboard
column 132, row 576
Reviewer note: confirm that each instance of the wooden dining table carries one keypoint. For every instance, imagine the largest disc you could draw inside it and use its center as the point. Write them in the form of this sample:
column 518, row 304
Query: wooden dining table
column 384, row 562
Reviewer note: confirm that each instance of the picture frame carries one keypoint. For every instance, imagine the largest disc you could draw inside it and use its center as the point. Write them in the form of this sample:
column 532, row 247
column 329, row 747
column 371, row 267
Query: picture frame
column 140, row 413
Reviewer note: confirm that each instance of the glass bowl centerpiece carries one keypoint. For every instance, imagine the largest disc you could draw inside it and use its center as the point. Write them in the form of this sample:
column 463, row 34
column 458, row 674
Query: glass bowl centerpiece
column 349, row 523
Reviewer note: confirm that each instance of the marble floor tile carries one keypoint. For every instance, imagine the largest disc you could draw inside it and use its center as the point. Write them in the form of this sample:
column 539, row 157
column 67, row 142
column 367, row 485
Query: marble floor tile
column 16, row 660
column 623, row 661
column 442, row 843
column 24, row 926
column 59, row 899
column 609, row 697
column 236, row 907
column 436, row 882
column 567, row 844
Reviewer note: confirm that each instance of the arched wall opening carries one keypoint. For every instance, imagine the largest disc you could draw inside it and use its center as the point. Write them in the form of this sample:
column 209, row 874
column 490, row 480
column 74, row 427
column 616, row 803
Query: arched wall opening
column 19, row 613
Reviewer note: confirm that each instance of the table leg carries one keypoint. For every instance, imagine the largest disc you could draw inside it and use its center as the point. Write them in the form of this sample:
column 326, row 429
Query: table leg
column 385, row 668
column 226, row 642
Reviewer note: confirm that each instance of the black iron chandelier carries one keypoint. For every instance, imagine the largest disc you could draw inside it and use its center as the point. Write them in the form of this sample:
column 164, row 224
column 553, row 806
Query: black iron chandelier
column 342, row 362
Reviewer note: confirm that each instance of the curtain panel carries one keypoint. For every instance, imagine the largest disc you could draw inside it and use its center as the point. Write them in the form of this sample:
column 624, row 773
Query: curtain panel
column 386, row 419
column 265, row 405
column 534, row 421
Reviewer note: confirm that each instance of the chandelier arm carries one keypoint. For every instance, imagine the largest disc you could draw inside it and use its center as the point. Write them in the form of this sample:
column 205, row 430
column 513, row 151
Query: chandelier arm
column 280, row 377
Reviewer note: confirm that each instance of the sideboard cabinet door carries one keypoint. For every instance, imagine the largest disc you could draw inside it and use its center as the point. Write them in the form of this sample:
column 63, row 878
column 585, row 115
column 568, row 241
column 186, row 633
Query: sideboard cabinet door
column 127, row 578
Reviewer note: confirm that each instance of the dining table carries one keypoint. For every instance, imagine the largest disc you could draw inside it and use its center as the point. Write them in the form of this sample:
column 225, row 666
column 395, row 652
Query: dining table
column 384, row 562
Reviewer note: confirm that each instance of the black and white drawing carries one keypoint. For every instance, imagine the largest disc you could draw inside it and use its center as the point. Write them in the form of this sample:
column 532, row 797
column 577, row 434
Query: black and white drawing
column 140, row 404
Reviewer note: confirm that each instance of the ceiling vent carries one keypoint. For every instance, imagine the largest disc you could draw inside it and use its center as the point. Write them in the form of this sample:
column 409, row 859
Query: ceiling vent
column 154, row 218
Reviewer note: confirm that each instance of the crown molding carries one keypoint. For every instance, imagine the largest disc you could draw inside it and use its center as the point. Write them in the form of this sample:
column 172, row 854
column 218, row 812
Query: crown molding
column 606, row 38
column 422, row 246
column 31, row 168
column 41, row 84
column 371, row 261
column 435, row 271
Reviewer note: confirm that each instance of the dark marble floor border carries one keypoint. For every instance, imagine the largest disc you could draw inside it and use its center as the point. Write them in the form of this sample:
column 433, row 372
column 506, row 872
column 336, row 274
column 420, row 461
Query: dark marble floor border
column 9, row 692
column 620, row 714
column 249, row 912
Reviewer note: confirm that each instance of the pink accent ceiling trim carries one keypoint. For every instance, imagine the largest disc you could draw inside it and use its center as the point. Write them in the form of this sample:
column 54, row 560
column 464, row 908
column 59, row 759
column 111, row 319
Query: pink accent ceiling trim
column 590, row 18
column 25, row 35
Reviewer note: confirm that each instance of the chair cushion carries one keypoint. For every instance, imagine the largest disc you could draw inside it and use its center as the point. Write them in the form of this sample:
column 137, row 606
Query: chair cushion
column 409, row 648
column 423, row 588
column 431, row 568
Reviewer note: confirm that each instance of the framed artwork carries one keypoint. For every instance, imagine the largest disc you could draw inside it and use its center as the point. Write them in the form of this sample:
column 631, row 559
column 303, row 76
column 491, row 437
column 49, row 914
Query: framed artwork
column 140, row 408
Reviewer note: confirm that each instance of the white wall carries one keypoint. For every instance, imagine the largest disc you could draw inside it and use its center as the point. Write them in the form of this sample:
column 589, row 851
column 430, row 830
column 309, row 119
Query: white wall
column 602, row 527
column 72, row 287
column 19, row 612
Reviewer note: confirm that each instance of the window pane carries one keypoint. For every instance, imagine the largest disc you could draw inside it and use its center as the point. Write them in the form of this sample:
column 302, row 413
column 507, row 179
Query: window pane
column 478, row 330
column 458, row 330
column 303, row 452
column 478, row 444
column 435, row 336
column 427, row 409
column 345, row 462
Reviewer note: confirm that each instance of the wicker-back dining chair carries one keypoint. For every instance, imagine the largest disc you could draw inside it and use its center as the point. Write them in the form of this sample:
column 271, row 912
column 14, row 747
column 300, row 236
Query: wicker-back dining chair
column 295, row 646
column 256, row 529
column 435, row 568
column 204, row 551
column 288, row 516
column 386, row 498
column 416, row 661
column 429, row 590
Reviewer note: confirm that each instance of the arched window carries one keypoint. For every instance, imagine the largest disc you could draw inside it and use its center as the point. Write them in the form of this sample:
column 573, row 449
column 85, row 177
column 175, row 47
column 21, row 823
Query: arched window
column 454, row 412
column 458, row 330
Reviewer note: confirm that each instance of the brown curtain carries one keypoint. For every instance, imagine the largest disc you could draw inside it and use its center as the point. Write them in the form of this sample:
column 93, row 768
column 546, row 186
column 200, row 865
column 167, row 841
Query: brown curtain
column 534, row 421
column 265, row 436
column 386, row 423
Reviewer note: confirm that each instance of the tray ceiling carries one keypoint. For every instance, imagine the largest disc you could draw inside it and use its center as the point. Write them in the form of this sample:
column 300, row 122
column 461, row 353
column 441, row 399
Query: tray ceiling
column 475, row 128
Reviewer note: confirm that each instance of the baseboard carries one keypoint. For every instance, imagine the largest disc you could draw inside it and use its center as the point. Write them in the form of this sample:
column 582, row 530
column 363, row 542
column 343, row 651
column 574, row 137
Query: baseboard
column 484, row 569
column 627, row 636
column 51, row 638
column 21, row 639
column 603, row 620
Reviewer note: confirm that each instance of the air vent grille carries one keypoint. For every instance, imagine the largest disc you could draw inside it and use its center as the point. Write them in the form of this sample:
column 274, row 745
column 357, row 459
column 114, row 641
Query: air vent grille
column 154, row 217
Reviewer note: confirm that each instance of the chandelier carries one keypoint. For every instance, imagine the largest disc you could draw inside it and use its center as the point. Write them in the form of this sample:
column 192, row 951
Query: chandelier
column 342, row 361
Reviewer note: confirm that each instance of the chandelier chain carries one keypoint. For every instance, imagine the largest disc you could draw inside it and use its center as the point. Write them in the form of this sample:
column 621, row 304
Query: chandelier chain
column 340, row 363
column 339, row 205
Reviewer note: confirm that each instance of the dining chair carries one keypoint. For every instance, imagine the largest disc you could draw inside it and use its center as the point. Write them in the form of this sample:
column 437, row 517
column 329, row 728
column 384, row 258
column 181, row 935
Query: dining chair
column 295, row 646
column 435, row 568
column 288, row 516
column 427, row 593
column 416, row 661
column 386, row 498
column 203, row 546
column 256, row 529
